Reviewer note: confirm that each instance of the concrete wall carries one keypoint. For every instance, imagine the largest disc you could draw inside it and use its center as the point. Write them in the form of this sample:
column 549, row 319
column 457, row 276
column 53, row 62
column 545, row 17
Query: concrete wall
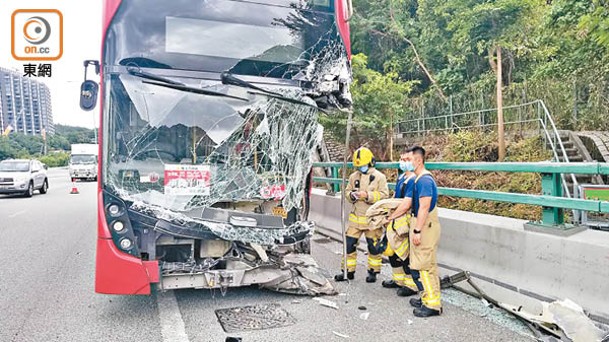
column 575, row 267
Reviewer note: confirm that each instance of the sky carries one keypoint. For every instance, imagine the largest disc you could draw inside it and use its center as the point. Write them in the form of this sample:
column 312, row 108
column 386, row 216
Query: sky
column 82, row 26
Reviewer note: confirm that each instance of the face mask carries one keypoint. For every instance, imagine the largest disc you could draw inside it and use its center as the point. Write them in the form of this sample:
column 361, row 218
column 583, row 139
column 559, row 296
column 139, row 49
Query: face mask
column 406, row 166
column 363, row 169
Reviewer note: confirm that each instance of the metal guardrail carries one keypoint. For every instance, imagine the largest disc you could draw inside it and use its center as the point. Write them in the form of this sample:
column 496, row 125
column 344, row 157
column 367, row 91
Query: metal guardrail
column 551, row 199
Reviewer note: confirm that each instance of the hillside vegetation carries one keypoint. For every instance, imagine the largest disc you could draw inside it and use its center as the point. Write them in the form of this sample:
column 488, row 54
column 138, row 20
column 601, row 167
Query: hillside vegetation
column 18, row 145
column 424, row 58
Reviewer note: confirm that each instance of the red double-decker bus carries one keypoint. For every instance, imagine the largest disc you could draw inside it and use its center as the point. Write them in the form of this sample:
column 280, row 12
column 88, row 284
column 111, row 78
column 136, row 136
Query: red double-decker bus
column 209, row 115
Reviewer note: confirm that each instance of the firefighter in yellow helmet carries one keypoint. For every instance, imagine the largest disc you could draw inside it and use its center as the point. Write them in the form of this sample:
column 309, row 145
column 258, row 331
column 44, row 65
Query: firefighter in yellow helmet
column 366, row 186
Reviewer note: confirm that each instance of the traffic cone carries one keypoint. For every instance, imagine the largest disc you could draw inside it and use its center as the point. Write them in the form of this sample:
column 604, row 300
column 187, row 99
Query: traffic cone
column 74, row 189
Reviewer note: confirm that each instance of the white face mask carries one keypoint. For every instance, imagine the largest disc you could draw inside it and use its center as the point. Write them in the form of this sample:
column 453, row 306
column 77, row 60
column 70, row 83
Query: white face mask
column 406, row 166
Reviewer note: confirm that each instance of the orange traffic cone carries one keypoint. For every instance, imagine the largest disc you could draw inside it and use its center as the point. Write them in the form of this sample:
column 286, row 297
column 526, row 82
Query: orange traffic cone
column 74, row 189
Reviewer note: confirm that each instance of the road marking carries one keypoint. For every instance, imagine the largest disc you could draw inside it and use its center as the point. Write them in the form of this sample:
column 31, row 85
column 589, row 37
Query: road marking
column 172, row 325
column 16, row 214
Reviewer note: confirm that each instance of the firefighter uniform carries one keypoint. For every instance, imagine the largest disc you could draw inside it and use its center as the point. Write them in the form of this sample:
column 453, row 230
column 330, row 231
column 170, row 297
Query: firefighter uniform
column 397, row 233
column 423, row 261
column 374, row 183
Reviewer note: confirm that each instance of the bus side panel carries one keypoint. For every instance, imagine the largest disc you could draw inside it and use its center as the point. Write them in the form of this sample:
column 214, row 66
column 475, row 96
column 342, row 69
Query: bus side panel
column 120, row 273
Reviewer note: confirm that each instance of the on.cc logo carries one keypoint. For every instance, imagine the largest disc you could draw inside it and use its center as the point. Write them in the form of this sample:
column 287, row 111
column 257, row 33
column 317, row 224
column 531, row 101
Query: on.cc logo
column 37, row 34
column 36, row 30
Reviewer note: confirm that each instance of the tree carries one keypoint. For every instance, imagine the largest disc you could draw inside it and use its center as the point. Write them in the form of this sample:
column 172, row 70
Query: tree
column 492, row 26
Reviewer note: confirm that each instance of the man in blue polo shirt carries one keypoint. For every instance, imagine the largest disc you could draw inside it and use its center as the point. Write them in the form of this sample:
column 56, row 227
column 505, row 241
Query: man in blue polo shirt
column 424, row 237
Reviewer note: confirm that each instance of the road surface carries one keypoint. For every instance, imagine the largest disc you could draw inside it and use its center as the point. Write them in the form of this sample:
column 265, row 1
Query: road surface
column 47, row 257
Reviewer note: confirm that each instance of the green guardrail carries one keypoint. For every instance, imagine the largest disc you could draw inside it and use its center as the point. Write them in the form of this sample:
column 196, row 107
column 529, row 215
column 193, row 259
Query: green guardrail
column 550, row 199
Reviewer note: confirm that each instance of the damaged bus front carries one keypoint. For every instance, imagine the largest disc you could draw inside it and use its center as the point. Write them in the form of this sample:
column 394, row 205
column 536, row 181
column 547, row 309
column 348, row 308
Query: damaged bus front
column 209, row 121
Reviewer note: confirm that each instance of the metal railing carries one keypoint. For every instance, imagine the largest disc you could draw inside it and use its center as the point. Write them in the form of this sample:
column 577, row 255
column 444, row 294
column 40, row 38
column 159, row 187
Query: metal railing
column 521, row 114
column 551, row 199
column 529, row 115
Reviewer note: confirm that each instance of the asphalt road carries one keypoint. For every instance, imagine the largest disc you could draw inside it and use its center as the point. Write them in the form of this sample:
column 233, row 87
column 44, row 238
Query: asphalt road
column 47, row 252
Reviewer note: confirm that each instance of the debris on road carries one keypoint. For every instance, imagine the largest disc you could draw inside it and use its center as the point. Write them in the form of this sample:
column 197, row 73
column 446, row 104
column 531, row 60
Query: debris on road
column 571, row 318
column 410, row 322
column 364, row 316
column 328, row 303
column 340, row 335
column 361, row 307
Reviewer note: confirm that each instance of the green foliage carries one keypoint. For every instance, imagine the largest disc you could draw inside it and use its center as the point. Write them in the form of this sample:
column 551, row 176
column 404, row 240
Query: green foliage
column 472, row 146
column 480, row 146
column 18, row 145
column 55, row 159
column 557, row 51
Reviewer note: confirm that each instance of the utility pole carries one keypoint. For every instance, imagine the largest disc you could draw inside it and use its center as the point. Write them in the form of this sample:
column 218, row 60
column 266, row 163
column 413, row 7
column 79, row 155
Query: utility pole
column 500, row 123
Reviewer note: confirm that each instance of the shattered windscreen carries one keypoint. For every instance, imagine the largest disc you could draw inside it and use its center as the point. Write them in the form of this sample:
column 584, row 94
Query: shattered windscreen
column 181, row 150
column 203, row 142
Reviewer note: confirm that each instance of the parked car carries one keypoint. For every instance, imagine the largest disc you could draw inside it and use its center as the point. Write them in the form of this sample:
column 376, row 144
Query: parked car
column 23, row 176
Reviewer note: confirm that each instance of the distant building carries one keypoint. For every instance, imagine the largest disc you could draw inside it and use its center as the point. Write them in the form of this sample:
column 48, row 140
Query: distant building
column 25, row 104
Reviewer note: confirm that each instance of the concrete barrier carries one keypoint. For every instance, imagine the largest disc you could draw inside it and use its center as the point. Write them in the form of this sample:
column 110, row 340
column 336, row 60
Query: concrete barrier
column 542, row 266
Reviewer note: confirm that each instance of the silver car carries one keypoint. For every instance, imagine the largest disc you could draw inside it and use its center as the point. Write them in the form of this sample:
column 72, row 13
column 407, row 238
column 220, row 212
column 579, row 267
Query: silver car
column 23, row 176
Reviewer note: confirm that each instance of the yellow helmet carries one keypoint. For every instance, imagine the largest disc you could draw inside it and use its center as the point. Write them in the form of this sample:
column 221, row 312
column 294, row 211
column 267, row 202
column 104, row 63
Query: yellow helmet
column 363, row 156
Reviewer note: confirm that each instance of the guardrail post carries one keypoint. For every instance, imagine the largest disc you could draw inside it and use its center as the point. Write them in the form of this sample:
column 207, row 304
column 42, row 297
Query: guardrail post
column 551, row 185
column 335, row 187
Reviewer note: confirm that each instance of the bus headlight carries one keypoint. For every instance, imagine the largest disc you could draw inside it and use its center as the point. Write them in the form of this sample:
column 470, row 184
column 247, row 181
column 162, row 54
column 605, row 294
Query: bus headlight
column 118, row 226
column 126, row 243
column 114, row 210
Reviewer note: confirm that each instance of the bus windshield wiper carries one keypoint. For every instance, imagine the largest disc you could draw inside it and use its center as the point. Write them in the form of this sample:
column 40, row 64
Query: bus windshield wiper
column 228, row 78
column 149, row 76
column 195, row 90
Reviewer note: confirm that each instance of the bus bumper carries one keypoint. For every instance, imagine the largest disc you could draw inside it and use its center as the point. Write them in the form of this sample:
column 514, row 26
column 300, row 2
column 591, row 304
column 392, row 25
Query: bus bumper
column 120, row 273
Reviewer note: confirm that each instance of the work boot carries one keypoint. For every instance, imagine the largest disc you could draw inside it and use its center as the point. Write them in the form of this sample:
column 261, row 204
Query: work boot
column 371, row 278
column 424, row 311
column 389, row 284
column 341, row 276
column 406, row 292
column 416, row 302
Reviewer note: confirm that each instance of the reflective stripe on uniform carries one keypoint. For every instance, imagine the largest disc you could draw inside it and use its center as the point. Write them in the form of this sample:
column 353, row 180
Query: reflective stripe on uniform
column 376, row 196
column 429, row 298
column 408, row 281
column 402, row 221
column 398, row 277
column 351, row 262
column 358, row 219
column 402, row 249
column 375, row 262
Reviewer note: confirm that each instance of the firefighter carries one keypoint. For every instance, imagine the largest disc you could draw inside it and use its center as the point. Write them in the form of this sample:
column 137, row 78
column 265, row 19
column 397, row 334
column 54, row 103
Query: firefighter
column 397, row 233
column 424, row 237
column 366, row 186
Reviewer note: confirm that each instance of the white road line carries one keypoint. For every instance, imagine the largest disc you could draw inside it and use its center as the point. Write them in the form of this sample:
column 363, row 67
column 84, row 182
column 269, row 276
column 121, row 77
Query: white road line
column 16, row 214
column 172, row 325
